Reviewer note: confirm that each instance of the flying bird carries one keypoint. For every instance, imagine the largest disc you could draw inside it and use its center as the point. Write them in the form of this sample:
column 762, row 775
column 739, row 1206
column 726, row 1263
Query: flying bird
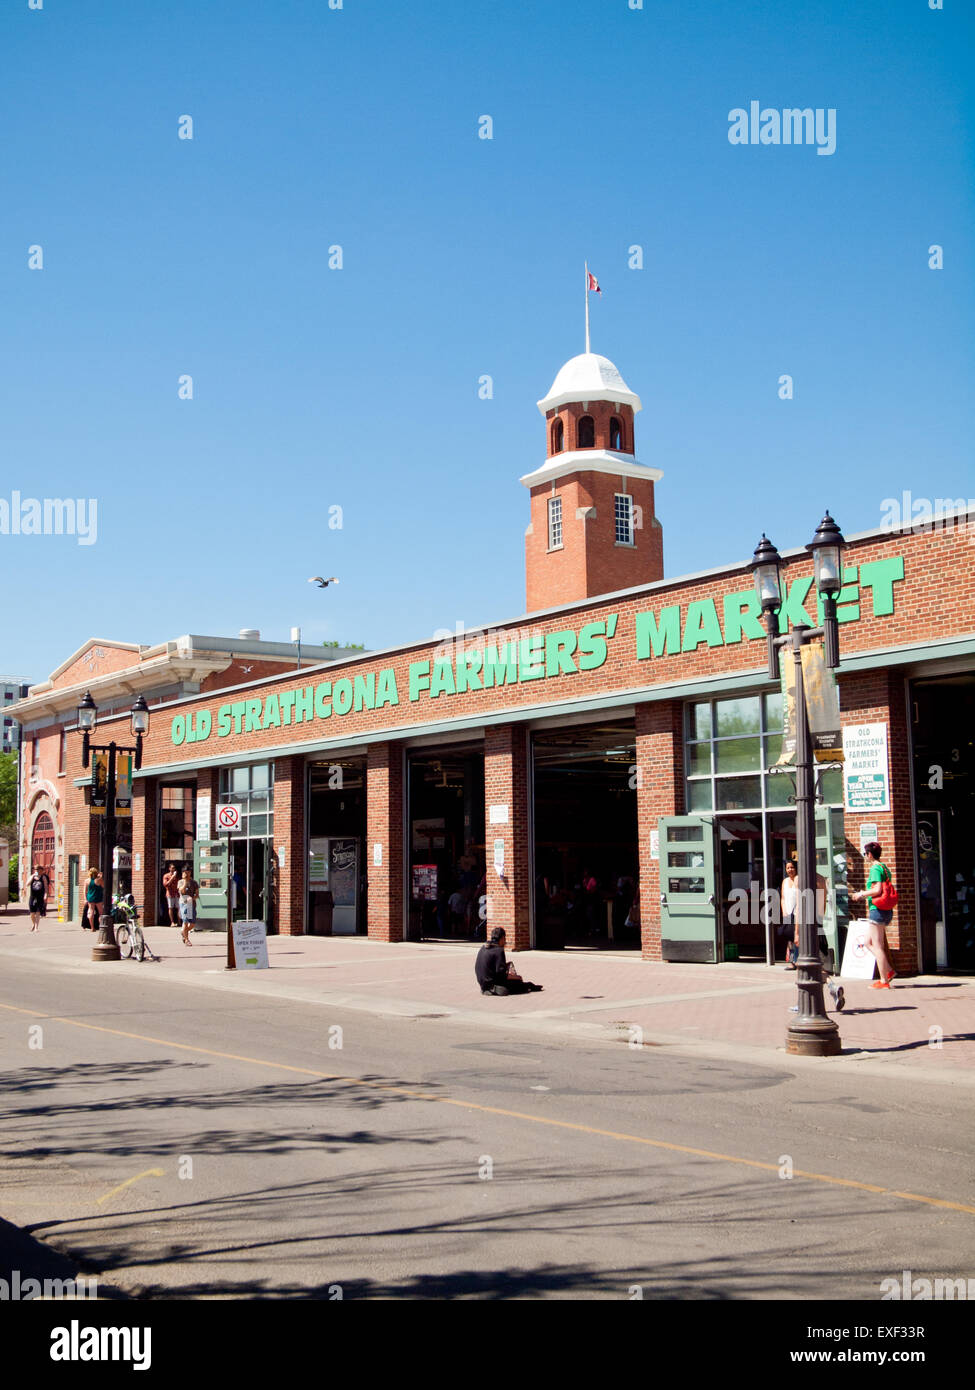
column 322, row 583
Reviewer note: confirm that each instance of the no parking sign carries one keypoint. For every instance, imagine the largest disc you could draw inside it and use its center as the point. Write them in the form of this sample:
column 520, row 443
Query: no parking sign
column 228, row 817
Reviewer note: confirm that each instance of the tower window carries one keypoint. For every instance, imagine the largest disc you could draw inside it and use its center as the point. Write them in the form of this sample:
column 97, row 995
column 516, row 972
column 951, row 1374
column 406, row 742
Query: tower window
column 586, row 432
column 615, row 434
column 555, row 523
column 558, row 436
column 624, row 519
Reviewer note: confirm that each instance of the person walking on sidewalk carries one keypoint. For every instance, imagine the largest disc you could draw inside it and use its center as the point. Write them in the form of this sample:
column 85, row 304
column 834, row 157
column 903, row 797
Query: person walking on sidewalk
column 189, row 891
column 879, row 918
column 36, row 898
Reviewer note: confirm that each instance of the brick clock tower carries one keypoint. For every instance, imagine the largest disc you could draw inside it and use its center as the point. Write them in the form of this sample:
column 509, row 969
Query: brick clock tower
column 593, row 529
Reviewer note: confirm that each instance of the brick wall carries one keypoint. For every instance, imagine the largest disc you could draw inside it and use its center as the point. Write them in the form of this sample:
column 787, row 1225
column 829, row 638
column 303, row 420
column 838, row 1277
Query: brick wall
column 384, row 818
column 878, row 697
column 506, row 784
column 660, row 792
column 289, row 835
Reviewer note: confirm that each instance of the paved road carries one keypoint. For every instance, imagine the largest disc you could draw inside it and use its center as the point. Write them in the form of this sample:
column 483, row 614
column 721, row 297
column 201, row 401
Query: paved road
column 433, row 1157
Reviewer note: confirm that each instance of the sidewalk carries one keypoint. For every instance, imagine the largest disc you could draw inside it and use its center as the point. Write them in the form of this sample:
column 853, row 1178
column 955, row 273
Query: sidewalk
column 730, row 1009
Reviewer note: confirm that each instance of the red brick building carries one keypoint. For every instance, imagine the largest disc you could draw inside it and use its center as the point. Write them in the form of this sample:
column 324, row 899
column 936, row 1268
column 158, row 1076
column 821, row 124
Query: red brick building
column 623, row 729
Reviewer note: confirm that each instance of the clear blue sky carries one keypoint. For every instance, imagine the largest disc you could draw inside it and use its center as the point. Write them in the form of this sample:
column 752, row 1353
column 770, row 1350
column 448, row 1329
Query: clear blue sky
column 358, row 387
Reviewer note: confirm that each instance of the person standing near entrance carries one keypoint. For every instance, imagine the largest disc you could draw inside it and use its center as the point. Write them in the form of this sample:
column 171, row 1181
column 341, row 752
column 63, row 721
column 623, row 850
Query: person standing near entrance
column 170, row 880
column 36, row 898
column 788, row 892
column 189, row 891
column 879, row 918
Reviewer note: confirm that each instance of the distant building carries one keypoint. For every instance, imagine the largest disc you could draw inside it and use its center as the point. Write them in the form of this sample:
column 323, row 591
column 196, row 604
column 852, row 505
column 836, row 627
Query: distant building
column 12, row 688
column 116, row 673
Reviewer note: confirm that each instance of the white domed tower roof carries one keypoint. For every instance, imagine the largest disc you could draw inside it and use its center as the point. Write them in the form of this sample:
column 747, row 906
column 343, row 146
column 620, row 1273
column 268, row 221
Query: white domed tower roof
column 589, row 377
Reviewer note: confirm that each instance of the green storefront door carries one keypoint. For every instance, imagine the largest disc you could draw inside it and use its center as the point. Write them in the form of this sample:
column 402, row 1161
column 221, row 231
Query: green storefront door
column 211, row 871
column 688, row 913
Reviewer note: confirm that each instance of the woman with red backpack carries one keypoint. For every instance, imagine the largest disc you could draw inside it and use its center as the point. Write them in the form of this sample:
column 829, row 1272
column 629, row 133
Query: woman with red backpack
column 882, row 896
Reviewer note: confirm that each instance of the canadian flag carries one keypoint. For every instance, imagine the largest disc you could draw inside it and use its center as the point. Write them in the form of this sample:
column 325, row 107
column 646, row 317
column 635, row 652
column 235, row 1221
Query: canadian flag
column 593, row 284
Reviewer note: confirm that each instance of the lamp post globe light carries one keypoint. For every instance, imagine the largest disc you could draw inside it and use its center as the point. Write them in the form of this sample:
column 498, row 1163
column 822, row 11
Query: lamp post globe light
column 810, row 1032
column 106, row 947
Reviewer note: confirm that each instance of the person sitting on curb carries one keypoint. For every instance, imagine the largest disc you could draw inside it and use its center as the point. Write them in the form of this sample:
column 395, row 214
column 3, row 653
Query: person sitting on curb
column 494, row 974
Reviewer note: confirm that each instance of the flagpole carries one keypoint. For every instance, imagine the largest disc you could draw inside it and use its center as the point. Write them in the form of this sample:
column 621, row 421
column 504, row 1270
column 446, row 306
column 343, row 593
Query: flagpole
column 587, row 306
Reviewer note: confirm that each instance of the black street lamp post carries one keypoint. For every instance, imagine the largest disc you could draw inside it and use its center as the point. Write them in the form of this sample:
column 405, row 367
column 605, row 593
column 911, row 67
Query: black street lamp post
column 106, row 947
column 811, row 1032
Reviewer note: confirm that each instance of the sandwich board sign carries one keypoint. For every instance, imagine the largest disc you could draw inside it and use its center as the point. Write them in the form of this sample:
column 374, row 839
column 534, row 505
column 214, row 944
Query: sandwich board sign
column 250, row 945
column 859, row 963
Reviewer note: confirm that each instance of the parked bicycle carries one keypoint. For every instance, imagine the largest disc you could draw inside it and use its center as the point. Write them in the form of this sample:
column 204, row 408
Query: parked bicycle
column 128, row 933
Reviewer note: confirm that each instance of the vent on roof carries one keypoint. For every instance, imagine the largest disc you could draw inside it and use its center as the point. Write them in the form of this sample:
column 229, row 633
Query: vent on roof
column 250, row 634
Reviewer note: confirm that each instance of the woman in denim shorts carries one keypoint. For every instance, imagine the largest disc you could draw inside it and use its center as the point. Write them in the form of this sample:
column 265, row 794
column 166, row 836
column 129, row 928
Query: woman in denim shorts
column 878, row 874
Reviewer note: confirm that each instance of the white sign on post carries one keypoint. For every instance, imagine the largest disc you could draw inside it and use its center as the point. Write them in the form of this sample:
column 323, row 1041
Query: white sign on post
column 498, row 815
column 228, row 817
column 499, row 858
column 203, row 815
column 866, row 782
column 250, row 945
column 377, row 855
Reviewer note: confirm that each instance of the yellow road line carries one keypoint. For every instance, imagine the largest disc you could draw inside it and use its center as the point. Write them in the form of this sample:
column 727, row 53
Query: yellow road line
column 413, row 1094
column 149, row 1173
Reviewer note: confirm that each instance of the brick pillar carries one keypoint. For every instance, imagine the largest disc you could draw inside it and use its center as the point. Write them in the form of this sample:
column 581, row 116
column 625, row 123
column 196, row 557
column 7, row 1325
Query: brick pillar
column 878, row 697
column 384, row 821
column 146, row 873
column 660, row 792
column 506, row 784
column 208, row 783
column 289, row 835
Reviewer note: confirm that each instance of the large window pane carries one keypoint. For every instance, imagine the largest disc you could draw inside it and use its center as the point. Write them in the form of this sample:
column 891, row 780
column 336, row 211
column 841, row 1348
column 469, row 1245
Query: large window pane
column 240, row 779
column 698, row 759
column 738, row 755
column 773, row 710
column 773, row 748
column 701, row 721
column 699, row 795
column 739, row 716
column 735, row 793
column 259, row 775
column 832, row 787
column 780, row 790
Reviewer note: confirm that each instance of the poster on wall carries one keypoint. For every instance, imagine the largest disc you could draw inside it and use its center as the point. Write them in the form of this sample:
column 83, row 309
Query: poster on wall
column 99, row 784
column 343, row 871
column 429, row 834
column 123, row 784
column 425, row 883
column 203, row 815
column 318, row 863
column 866, row 780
